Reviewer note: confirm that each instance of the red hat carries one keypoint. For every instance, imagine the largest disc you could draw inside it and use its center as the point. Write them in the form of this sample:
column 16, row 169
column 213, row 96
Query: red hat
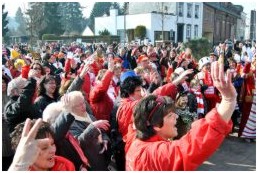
column 142, row 58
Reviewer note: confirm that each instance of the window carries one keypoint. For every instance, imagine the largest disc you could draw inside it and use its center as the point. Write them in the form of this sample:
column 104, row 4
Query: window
column 189, row 10
column 195, row 31
column 188, row 31
column 181, row 9
column 196, row 12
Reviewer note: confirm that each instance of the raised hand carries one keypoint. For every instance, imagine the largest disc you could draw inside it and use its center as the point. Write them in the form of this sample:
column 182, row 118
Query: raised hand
column 102, row 124
column 65, row 101
column 227, row 90
column 32, row 73
column 154, row 77
column 183, row 76
column 29, row 148
column 84, row 71
column 111, row 64
column 223, row 82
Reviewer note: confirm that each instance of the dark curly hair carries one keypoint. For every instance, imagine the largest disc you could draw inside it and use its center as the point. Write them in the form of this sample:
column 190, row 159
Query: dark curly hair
column 149, row 112
column 44, row 131
column 128, row 86
column 46, row 79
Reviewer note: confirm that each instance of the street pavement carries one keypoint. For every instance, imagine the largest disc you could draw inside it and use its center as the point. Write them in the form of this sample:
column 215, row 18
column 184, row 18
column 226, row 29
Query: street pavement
column 234, row 154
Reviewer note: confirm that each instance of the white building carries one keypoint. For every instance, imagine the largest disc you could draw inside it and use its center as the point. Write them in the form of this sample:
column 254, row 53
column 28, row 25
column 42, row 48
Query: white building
column 181, row 20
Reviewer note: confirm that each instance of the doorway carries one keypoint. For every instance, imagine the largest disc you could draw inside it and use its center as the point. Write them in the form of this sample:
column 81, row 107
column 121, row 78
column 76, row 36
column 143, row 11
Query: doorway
column 180, row 32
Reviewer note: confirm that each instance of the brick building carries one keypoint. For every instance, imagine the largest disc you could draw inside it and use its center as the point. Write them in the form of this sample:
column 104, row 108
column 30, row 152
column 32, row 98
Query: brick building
column 220, row 20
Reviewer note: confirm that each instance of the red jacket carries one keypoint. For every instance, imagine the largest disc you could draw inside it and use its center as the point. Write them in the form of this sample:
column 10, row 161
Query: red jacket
column 100, row 102
column 184, row 154
column 125, row 110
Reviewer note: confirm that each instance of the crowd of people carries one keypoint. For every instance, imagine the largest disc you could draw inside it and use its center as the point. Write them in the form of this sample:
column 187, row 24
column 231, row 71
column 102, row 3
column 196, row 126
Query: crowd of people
column 123, row 107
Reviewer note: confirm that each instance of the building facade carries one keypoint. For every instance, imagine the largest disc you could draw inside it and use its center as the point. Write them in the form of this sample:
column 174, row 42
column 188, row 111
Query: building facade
column 241, row 26
column 173, row 21
column 220, row 20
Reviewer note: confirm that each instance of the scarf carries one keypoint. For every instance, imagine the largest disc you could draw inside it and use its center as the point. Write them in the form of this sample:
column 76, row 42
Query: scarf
column 77, row 147
column 199, row 99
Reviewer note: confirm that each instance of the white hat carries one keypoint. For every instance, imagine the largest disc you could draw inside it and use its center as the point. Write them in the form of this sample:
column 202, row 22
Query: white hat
column 203, row 61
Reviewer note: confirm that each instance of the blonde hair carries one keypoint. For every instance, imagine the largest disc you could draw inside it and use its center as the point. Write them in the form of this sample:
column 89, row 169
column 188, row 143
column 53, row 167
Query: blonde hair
column 138, row 70
column 194, row 82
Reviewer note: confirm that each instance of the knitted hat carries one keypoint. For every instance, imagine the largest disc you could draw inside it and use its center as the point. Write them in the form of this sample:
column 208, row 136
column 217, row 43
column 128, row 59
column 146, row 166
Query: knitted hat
column 203, row 61
column 127, row 74
column 142, row 58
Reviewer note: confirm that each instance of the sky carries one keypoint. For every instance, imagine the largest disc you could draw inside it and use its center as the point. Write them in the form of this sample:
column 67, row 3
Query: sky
column 12, row 7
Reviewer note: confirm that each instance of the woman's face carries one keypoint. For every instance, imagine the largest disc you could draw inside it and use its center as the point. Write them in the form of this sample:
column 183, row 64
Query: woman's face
column 50, row 86
column 145, row 63
column 164, row 53
column 172, row 54
column 37, row 69
column 52, row 59
column 117, row 71
column 182, row 101
column 45, row 160
column 79, row 106
column 168, row 130
column 47, row 70
column 138, row 93
column 232, row 65
column 207, row 67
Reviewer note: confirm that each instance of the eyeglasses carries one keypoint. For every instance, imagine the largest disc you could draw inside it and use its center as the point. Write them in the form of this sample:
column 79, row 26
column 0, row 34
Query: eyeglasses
column 36, row 68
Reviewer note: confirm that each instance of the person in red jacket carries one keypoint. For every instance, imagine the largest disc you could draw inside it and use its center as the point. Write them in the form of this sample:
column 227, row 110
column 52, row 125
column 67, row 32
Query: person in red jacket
column 155, row 121
column 131, row 92
column 100, row 102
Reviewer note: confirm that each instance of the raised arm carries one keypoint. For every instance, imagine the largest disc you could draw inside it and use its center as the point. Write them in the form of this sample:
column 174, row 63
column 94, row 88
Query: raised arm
column 225, row 86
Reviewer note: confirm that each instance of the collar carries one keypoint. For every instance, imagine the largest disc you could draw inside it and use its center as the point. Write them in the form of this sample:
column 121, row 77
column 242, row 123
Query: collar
column 156, row 138
column 79, row 118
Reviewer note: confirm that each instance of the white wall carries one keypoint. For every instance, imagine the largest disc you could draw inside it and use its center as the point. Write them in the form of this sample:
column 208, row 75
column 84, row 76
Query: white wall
column 148, row 7
column 192, row 21
column 152, row 22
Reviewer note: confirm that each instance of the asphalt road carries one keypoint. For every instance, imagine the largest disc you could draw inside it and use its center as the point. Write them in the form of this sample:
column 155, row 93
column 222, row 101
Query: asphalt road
column 234, row 154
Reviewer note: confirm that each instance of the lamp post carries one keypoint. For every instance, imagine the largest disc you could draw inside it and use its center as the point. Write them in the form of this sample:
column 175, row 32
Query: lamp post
column 125, row 13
